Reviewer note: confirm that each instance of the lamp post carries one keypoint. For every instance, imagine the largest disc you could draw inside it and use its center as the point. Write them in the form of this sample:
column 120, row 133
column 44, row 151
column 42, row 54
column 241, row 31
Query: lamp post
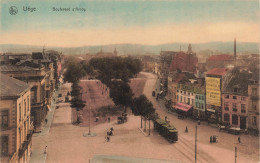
column 89, row 133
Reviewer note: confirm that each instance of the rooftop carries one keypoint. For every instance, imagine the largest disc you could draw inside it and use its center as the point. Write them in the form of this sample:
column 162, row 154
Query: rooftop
column 5, row 68
column 217, row 71
column 220, row 57
column 10, row 87
column 238, row 84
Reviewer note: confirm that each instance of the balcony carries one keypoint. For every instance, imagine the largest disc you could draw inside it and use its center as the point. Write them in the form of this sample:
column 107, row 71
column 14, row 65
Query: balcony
column 25, row 144
column 254, row 97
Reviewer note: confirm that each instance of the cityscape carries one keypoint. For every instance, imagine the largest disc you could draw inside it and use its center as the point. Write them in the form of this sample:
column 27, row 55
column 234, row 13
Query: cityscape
column 154, row 84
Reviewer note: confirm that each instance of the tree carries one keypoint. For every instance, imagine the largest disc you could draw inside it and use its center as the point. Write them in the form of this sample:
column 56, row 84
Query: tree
column 143, row 107
column 121, row 93
column 74, row 72
column 109, row 69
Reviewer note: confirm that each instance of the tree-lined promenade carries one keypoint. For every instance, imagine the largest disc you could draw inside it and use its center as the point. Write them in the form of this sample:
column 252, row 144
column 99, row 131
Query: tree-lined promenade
column 115, row 73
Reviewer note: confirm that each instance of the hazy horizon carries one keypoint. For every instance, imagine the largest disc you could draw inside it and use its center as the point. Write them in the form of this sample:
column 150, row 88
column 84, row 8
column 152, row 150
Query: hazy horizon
column 147, row 22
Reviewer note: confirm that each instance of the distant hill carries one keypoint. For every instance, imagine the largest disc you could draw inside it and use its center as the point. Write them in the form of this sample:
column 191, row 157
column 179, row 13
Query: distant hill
column 216, row 47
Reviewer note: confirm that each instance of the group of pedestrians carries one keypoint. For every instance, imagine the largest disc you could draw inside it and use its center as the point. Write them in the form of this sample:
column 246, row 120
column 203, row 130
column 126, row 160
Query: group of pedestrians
column 109, row 133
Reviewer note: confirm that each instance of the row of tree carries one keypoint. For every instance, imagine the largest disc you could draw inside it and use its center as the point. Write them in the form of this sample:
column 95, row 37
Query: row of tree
column 116, row 73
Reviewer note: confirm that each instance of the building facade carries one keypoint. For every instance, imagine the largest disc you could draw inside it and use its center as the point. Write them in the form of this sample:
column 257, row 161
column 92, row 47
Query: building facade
column 37, row 78
column 16, row 127
column 253, row 106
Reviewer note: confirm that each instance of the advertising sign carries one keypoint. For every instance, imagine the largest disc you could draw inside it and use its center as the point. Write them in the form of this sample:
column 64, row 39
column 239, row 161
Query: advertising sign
column 213, row 96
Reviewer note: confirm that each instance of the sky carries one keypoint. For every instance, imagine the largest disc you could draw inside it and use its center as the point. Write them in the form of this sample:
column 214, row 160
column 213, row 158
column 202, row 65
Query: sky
column 147, row 22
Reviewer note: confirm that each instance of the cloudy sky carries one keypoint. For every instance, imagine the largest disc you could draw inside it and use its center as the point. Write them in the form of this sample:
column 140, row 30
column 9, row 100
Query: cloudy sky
column 129, row 21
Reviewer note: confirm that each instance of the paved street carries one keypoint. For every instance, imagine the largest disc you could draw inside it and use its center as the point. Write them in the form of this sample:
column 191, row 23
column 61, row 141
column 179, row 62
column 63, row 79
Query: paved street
column 66, row 142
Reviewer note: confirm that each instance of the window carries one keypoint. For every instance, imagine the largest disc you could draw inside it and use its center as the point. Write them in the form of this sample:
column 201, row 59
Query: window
column 4, row 118
column 243, row 108
column 254, row 104
column 226, row 117
column 20, row 112
column 4, row 145
column 254, row 91
column 177, row 97
column 189, row 93
column 177, row 90
column 226, row 105
column 34, row 94
column 234, row 97
column 197, row 97
column 234, row 106
column 226, row 96
column 181, row 98
column 185, row 99
column 202, row 106
column 202, row 97
column 185, row 92
column 28, row 103
column 192, row 102
column 234, row 119
column 181, row 91
column 243, row 98
column 197, row 104
column 188, row 100
column 25, row 107
column 254, row 121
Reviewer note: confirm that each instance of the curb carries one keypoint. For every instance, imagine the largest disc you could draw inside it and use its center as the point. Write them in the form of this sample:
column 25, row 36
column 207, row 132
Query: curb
column 145, row 134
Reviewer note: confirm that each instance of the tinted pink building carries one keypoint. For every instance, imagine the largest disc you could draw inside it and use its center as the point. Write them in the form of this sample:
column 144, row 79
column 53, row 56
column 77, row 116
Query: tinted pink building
column 234, row 110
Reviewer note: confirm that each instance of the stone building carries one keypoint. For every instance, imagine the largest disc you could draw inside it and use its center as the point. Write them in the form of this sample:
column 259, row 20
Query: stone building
column 37, row 78
column 220, row 61
column 234, row 101
column 16, row 127
column 216, row 81
column 184, row 61
column 253, row 104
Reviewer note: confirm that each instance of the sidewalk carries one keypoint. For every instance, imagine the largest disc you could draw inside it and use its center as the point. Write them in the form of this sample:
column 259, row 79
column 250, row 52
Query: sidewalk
column 38, row 155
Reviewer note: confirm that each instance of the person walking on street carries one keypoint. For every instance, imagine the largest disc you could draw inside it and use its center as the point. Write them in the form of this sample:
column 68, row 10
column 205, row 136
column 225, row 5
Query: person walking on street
column 238, row 139
column 108, row 119
column 46, row 120
column 186, row 130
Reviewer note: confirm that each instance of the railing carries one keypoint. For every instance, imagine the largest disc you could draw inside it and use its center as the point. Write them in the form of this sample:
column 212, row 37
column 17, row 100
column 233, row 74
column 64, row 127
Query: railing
column 25, row 144
column 254, row 97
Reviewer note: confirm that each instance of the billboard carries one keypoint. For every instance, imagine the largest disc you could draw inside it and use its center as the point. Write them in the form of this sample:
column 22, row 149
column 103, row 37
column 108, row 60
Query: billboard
column 213, row 94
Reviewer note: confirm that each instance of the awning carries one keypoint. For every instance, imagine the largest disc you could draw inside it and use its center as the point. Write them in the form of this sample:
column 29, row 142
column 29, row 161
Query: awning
column 183, row 107
column 48, row 107
column 211, row 110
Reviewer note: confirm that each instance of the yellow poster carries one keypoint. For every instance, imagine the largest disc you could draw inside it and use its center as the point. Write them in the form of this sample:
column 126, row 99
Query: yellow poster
column 213, row 91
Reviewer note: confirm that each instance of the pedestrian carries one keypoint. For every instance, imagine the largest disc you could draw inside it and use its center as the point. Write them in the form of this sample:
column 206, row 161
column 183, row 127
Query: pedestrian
column 108, row 138
column 198, row 122
column 238, row 139
column 46, row 120
column 45, row 150
column 165, row 118
column 108, row 119
column 105, row 138
column 186, row 130
column 211, row 139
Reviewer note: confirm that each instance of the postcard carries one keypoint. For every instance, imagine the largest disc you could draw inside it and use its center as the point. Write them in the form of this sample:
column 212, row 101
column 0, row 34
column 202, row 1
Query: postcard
column 129, row 81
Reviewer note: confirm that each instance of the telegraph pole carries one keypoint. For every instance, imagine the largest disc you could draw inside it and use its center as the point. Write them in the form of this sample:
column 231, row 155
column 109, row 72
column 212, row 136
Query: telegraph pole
column 196, row 144
column 235, row 154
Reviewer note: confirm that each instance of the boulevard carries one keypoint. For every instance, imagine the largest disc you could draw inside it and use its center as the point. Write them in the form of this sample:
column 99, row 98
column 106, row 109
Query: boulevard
column 66, row 142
